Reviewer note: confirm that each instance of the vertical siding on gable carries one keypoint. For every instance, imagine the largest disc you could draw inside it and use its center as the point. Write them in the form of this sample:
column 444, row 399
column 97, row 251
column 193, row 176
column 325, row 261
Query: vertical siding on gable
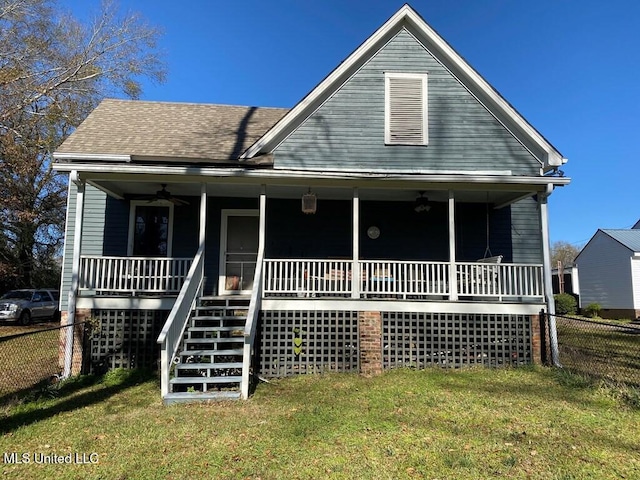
column 604, row 266
column 92, row 232
column 347, row 132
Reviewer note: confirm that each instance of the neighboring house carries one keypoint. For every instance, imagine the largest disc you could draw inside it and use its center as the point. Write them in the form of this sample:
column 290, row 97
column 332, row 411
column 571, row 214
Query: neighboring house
column 396, row 216
column 566, row 280
column 609, row 266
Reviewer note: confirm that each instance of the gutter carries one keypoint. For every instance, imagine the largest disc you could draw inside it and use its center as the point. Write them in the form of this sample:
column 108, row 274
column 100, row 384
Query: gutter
column 98, row 171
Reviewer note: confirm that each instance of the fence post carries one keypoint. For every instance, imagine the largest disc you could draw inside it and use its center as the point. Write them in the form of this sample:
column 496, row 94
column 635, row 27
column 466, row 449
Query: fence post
column 544, row 355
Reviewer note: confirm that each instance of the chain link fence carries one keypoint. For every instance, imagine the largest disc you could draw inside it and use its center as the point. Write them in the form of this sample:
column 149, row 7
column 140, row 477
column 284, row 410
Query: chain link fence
column 35, row 355
column 606, row 350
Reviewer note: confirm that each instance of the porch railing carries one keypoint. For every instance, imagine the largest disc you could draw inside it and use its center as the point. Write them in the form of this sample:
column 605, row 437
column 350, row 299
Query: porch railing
column 500, row 280
column 133, row 274
column 307, row 278
column 401, row 279
column 173, row 329
column 251, row 327
column 404, row 278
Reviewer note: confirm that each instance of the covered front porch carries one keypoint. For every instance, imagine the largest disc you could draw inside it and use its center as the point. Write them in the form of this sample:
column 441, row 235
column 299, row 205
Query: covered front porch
column 473, row 254
column 478, row 244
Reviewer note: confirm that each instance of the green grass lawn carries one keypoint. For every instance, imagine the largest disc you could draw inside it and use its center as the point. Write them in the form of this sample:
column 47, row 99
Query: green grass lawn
column 474, row 423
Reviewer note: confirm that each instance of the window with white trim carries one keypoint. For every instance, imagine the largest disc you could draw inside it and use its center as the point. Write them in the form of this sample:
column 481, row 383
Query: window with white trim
column 406, row 119
column 150, row 228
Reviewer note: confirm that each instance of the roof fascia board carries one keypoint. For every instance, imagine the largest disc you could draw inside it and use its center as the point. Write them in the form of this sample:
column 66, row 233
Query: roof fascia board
column 481, row 101
column 327, row 86
column 408, row 18
column 102, row 157
column 96, row 171
column 470, row 77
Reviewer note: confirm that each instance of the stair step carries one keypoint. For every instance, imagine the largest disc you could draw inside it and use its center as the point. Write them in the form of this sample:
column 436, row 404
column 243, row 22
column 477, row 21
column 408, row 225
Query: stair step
column 207, row 366
column 216, row 329
column 203, row 380
column 214, row 340
column 231, row 351
column 219, row 317
column 226, row 298
column 222, row 321
column 187, row 397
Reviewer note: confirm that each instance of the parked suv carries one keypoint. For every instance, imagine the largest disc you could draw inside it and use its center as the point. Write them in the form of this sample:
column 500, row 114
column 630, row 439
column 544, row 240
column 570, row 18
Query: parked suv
column 26, row 305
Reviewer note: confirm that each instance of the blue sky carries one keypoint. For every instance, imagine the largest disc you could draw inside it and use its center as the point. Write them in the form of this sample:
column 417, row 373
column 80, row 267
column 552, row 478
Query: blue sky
column 569, row 67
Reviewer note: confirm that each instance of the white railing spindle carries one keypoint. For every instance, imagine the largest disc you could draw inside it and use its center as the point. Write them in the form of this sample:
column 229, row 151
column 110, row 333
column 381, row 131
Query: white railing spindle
column 133, row 274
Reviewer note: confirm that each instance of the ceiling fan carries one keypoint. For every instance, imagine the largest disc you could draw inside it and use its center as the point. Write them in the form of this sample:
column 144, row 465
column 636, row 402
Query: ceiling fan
column 165, row 195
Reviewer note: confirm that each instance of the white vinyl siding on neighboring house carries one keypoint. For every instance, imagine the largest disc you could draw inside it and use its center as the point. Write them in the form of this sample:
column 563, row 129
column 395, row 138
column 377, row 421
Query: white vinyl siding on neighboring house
column 604, row 266
column 406, row 109
column 635, row 279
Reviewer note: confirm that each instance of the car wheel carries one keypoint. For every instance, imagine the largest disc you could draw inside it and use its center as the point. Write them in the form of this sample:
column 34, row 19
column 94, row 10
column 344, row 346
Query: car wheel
column 56, row 316
column 25, row 318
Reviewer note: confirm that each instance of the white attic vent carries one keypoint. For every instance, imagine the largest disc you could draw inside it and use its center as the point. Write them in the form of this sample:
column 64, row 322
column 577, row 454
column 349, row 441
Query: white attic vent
column 406, row 109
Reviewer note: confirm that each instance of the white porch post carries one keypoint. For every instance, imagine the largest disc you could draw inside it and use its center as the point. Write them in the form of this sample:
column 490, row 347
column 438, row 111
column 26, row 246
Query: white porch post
column 203, row 214
column 203, row 220
column 262, row 232
column 355, row 269
column 75, row 273
column 453, row 276
column 548, row 286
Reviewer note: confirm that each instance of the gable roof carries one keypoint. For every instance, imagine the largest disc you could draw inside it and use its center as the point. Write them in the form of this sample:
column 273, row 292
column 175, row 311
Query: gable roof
column 406, row 18
column 142, row 130
column 628, row 238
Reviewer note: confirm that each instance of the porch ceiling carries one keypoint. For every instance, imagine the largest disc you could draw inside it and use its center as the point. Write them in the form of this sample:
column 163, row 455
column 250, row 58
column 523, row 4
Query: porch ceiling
column 493, row 194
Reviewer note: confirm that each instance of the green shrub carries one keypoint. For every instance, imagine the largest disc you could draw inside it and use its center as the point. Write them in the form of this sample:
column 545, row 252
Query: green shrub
column 565, row 304
column 593, row 310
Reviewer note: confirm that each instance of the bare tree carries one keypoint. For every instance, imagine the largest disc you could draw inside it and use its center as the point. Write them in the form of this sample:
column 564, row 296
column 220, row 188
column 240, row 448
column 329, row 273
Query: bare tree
column 53, row 72
column 563, row 252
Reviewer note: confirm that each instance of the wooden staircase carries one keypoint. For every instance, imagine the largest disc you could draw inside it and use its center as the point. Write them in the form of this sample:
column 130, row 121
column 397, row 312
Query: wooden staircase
column 209, row 362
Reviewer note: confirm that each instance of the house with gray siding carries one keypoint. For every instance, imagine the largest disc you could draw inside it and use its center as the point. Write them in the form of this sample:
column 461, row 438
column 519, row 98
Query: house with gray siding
column 609, row 269
column 396, row 216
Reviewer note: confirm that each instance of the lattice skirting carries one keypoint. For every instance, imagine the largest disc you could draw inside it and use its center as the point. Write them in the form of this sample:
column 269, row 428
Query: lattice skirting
column 293, row 342
column 126, row 339
column 454, row 340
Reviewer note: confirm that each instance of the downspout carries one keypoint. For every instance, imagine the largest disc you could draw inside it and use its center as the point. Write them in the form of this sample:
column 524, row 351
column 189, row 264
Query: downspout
column 546, row 269
column 75, row 273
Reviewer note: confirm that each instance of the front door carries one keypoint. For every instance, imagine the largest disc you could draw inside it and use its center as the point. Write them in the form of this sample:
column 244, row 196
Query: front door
column 238, row 251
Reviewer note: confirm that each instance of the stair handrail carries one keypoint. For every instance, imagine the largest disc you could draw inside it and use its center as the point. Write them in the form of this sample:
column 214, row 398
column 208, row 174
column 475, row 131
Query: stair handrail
column 173, row 331
column 255, row 304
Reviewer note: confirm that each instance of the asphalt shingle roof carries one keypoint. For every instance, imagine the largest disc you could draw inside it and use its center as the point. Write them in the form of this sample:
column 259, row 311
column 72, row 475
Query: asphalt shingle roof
column 629, row 238
column 166, row 131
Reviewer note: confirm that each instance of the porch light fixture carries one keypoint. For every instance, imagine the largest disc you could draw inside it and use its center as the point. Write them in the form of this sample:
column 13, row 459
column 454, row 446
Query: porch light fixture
column 422, row 204
column 309, row 202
